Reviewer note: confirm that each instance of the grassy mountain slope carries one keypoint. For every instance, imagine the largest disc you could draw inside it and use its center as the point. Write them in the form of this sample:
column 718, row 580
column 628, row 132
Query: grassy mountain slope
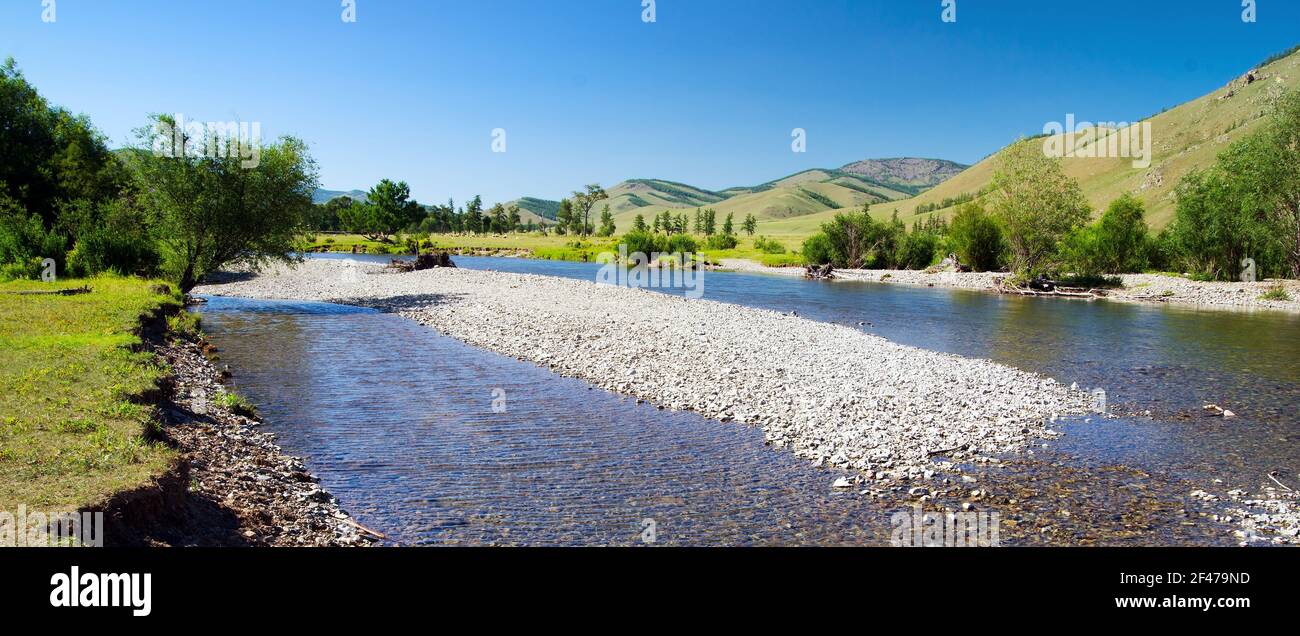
column 325, row 196
column 1186, row 137
column 800, row 194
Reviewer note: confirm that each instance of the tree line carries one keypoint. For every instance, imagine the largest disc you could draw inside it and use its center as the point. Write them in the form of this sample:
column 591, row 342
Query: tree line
column 66, row 198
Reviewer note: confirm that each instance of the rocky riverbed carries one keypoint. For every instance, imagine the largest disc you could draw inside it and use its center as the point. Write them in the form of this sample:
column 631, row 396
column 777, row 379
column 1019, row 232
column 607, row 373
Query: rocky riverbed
column 242, row 488
column 1140, row 288
column 831, row 394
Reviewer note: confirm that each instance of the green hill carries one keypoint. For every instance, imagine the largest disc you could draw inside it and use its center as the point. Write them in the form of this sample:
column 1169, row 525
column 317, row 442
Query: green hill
column 1186, row 137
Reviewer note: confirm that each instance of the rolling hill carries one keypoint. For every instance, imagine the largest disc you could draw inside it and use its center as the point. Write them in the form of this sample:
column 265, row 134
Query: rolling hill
column 800, row 194
column 325, row 196
column 1185, row 137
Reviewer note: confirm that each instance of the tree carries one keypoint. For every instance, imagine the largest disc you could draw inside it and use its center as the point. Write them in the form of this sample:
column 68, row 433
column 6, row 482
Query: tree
column 583, row 202
column 515, row 217
column 698, row 227
column 1036, row 203
column 710, row 222
column 389, row 209
column 976, row 238
column 498, row 217
column 728, row 228
column 474, row 215
column 639, row 225
column 606, row 222
column 750, row 225
column 564, row 217
column 1116, row 244
column 1264, row 169
column 212, row 211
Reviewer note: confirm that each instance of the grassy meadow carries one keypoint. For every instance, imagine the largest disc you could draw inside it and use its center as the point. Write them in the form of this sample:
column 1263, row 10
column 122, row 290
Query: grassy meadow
column 72, row 433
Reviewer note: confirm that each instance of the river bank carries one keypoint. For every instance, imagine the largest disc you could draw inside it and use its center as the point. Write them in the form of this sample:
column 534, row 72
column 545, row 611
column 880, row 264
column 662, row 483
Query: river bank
column 831, row 394
column 1137, row 288
column 241, row 489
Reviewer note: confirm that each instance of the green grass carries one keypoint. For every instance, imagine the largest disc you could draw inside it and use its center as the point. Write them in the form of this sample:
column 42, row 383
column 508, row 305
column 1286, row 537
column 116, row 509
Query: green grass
column 70, row 433
column 1277, row 292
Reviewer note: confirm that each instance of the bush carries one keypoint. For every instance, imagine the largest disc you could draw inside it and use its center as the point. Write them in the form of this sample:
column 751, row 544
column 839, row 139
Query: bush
column 1276, row 292
column 639, row 241
column 105, row 250
column 817, row 249
column 917, row 251
column 23, row 237
column 768, row 246
column 681, row 244
column 1116, row 244
column 722, row 242
column 25, row 269
column 977, row 239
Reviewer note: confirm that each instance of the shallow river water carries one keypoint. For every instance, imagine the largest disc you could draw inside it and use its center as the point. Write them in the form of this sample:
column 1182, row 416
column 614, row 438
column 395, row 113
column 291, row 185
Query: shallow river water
column 399, row 423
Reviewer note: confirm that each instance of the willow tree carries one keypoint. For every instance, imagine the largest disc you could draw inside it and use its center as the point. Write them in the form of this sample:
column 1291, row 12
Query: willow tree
column 1037, row 205
column 214, row 206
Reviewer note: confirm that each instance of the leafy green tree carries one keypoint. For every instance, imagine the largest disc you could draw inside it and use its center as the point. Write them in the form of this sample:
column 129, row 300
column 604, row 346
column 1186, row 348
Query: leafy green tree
column 390, row 208
column 1264, row 172
column 213, row 211
column 816, row 249
column 514, row 218
column 710, row 222
column 564, row 217
column 750, row 225
column 474, row 220
column 583, row 202
column 729, row 228
column 1116, row 244
column 1037, row 204
column 638, row 224
column 606, row 222
column 976, row 238
column 499, row 218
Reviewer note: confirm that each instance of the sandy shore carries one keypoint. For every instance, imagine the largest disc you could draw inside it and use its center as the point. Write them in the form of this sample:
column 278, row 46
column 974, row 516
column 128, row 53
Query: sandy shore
column 832, row 394
column 1140, row 288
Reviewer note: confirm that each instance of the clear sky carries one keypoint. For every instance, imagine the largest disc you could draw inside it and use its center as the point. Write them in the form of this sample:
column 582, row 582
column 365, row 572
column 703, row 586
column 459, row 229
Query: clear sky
column 587, row 92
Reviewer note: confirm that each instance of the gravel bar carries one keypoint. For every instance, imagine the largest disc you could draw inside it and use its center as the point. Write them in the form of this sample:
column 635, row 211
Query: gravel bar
column 1137, row 288
column 831, row 394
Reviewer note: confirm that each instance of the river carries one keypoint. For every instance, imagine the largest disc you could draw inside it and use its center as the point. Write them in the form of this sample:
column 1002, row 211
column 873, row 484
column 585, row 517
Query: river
column 398, row 421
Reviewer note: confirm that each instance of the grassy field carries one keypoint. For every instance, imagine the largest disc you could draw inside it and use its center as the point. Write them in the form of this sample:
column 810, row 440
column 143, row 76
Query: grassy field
column 70, row 434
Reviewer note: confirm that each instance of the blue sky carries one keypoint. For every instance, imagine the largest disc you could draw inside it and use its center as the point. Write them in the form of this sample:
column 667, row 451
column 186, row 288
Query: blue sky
column 587, row 92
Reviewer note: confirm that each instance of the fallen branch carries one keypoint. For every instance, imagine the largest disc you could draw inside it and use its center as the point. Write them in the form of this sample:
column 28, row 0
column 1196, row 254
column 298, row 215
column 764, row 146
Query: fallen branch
column 1288, row 488
column 366, row 530
column 57, row 292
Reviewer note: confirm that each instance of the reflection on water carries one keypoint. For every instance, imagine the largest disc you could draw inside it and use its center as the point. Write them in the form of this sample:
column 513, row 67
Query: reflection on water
column 398, row 422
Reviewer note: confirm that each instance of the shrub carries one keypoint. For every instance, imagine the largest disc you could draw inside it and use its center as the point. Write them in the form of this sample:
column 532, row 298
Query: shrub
column 916, row 251
column 722, row 242
column 816, row 249
column 1276, row 292
column 1116, row 244
column 768, row 246
column 640, row 241
column 681, row 244
column 976, row 238
column 105, row 250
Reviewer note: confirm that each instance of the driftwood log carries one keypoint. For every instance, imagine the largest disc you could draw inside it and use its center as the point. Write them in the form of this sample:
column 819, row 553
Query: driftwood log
column 1044, row 287
column 819, row 272
column 424, row 261
column 57, row 292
